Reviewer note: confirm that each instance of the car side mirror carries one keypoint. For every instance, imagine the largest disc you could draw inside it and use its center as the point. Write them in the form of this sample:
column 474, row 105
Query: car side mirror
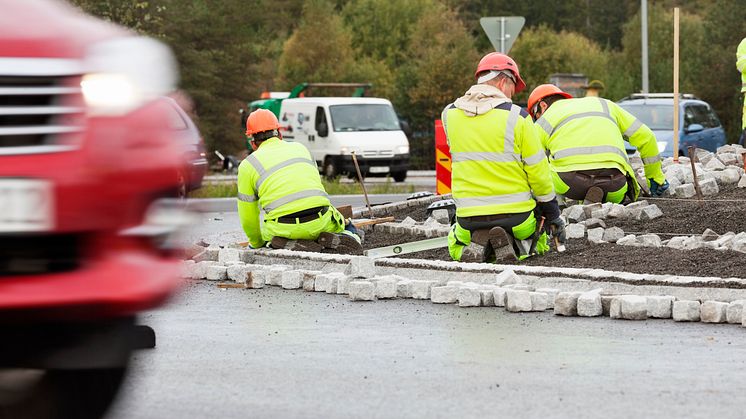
column 404, row 125
column 322, row 129
column 694, row 128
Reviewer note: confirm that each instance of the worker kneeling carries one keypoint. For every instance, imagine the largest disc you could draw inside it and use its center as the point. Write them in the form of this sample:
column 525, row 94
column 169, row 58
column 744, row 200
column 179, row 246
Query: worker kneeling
column 585, row 142
column 283, row 179
column 497, row 162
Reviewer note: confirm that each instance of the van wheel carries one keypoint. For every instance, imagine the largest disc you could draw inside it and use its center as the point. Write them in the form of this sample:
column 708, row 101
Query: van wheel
column 58, row 393
column 181, row 186
column 400, row 176
column 330, row 169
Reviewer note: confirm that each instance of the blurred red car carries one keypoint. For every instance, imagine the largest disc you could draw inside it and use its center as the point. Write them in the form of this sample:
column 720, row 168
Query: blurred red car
column 87, row 149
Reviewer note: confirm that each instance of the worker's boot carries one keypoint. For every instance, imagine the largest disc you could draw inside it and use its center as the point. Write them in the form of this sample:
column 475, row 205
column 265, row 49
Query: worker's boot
column 595, row 195
column 340, row 243
column 297, row 245
column 501, row 245
column 480, row 249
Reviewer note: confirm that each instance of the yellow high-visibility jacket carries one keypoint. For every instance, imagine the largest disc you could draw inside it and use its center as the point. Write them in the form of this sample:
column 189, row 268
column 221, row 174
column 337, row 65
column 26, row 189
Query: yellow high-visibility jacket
column 588, row 133
column 741, row 63
column 497, row 162
column 282, row 178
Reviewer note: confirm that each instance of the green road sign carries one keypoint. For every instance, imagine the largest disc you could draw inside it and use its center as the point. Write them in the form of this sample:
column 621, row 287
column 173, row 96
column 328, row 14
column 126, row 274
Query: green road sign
column 502, row 30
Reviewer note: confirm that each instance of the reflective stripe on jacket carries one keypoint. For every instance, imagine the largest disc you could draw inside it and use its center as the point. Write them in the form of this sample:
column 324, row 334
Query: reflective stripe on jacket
column 497, row 162
column 589, row 133
column 280, row 177
column 741, row 63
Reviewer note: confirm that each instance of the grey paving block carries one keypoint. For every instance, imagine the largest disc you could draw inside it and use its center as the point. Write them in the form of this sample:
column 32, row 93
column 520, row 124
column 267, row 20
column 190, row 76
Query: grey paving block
column 362, row 291
column 595, row 235
column 518, row 301
column 629, row 307
column 660, row 306
column 575, row 231
column 499, row 296
column 469, row 297
column 507, row 277
column 551, row 293
column 566, row 303
column 734, row 313
column 709, row 187
column 589, row 304
column 292, row 280
column 324, row 281
column 575, row 214
column 230, row 254
column 649, row 240
column 713, row 312
column 651, row 212
column 209, row 254
column 612, row 234
column 421, row 289
column 606, row 304
column 216, row 273
column 404, row 288
column 361, row 267
column 488, row 296
column 685, row 191
column 444, row 295
column 618, row 211
column 686, row 311
column 309, row 280
column 539, row 301
column 386, row 287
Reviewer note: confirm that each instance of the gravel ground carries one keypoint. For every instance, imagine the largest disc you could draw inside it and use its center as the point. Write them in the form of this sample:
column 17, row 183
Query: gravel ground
column 682, row 217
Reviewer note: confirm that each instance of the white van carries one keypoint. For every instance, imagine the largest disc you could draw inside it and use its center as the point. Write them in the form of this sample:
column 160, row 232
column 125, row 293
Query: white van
column 333, row 127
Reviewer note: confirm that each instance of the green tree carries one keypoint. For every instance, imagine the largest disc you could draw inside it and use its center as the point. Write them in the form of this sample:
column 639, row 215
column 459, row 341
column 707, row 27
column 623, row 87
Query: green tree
column 440, row 69
column 145, row 17
column 541, row 52
column 320, row 50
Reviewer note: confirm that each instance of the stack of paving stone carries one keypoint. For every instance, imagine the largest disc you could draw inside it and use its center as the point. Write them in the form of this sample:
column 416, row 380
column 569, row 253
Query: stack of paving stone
column 396, row 207
column 360, row 282
column 707, row 240
column 724, row 167
column 435, row 226
column 588, row 220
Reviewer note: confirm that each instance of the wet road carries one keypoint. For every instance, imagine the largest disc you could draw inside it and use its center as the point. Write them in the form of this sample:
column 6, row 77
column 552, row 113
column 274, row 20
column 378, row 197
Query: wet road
column 273, row 353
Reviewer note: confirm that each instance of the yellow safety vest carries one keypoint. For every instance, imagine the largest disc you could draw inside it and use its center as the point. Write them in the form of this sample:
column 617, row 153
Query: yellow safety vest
column 741, row 63
column 587, row 133
column 280, row 177
column 497, row 162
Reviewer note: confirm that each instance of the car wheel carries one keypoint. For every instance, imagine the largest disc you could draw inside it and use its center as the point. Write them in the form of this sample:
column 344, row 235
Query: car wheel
column 43, row 394
column 330, row 169
column 399, row 176
column 181, row 186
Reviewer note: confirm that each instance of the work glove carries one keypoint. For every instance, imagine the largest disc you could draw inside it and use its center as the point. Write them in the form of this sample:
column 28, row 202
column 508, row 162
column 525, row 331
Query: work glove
column 657, row 189
column 557, row 228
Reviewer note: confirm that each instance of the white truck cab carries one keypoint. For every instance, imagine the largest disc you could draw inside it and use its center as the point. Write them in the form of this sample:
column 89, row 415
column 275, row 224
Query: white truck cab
column 333, row 127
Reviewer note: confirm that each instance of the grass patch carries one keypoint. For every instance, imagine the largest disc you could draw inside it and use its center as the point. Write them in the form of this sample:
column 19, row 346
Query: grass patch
column 333, row 187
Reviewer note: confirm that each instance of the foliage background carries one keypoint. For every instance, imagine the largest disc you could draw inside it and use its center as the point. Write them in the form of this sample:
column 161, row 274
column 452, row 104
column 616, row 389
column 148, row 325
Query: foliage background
column 421, row 54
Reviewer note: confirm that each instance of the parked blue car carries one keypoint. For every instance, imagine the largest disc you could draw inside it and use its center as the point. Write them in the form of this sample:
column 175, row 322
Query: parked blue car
column 699, row 126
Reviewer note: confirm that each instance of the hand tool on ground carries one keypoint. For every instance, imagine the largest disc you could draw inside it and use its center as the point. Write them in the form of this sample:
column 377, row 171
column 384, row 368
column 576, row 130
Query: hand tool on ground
column 362, row 184
column 404, row 248
column 537, row 234
column 692, row 156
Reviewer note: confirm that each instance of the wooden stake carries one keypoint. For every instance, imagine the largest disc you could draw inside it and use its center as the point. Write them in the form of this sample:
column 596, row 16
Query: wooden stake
column 360, row 179
column 692, row 157
column 676, row 85
column 360, row 223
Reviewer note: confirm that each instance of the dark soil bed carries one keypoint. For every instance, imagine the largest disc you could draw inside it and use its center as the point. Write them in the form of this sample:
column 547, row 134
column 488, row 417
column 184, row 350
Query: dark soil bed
column 681, row 217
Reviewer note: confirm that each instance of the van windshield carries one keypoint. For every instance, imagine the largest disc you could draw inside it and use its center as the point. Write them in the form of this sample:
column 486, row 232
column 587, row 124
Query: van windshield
column 658, row 117
column 364, row 117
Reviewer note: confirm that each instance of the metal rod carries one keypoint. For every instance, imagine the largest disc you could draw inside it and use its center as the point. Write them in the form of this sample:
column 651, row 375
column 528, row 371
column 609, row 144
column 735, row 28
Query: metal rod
column 502, row 35
column 644, row 17
column 360, row 179
column 676, row 85
column 692, row 156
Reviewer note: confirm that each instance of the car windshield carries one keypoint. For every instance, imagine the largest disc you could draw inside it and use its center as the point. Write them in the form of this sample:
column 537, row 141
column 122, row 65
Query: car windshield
column 364, row 117
column 659, row 117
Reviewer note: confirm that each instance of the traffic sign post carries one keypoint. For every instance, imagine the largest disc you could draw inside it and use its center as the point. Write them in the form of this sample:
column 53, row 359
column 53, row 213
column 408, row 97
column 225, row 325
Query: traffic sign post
column 502, row 31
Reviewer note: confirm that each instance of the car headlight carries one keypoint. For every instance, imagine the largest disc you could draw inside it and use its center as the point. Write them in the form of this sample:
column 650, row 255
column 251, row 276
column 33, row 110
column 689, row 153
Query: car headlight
column 662, row 146
column 124, row 73
column 402, row 149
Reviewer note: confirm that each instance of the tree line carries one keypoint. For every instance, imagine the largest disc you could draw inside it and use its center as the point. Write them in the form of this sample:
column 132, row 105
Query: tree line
column 421, row 54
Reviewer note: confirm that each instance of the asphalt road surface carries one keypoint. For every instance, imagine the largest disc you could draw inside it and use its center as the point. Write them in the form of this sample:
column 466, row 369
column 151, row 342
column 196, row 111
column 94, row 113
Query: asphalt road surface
column 422, row 180
column 273, row 353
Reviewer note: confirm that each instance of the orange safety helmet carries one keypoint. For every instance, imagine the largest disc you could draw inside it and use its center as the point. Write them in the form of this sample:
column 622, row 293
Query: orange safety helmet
column 542, row 91
column 261, row 120
column 496, row 61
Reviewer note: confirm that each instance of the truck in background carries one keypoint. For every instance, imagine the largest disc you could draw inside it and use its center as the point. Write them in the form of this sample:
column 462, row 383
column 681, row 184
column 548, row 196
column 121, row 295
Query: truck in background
column 332, row 128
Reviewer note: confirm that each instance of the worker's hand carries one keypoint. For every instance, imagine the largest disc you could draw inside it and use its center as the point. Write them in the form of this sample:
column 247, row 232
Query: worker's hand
column 657, row 189
column 557, row 228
